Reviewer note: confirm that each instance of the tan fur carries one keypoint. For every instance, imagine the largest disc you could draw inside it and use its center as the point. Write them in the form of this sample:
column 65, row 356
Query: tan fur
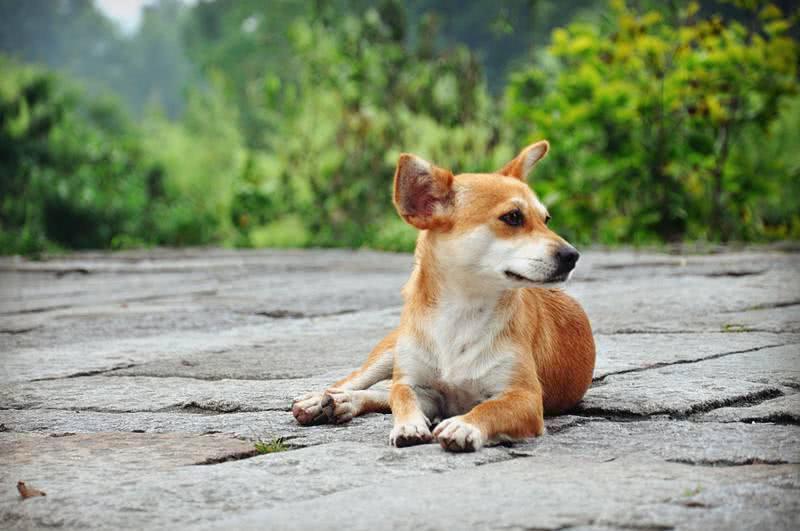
column 384, row 345
column 544, row 339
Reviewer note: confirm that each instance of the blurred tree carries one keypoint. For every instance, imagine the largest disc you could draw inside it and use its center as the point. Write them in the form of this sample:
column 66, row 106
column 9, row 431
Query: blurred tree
column 71, row 171
column 69, row 34
column 243, row 43
column 73, row 36
column 646, row 117
column 667, row 121
column 355, row 98
column 157, row 70
column 202, row 156
column 499, row 33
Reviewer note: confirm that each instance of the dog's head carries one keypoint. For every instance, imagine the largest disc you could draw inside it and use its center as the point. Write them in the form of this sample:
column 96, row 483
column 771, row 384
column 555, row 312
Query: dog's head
column 490, row 226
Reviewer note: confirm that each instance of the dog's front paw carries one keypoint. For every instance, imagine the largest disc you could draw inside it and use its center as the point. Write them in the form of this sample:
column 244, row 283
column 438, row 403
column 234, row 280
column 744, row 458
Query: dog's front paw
column 410, row 434
column 339, row 406
column 308, row 409
column 456, row 435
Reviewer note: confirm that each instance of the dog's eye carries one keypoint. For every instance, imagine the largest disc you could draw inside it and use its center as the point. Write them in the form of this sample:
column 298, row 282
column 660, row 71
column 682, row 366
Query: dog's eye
column 513, row 218
column 547, row 219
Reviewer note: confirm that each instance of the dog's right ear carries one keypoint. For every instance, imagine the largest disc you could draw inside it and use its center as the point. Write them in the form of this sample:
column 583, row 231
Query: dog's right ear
column 522, row 164
column 423, row 193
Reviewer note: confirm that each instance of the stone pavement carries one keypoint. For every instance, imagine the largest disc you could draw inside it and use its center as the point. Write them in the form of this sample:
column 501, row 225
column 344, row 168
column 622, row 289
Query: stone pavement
column 133, row 386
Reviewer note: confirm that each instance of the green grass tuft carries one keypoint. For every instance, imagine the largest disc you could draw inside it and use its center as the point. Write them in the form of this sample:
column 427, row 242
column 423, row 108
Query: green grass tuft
column 271, row 447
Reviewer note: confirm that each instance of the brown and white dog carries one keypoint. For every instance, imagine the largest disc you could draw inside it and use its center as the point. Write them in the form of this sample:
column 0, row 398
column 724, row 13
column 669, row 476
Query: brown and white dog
column 486, row 344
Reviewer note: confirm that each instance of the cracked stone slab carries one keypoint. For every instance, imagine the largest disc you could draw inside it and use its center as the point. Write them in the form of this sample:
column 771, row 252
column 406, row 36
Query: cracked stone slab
column 778, row 365
column 162, row 260
column 784, row 409
column 23, row 293
column 555, row 493
column 692, row 388
column 312, row 282
column 317, row 283
column 682, row 441
column 118, row 321
column 661, row 300
column 272, row 348
column 332, row 345
column 603, row 264
column 685, row 389
column 778, row 319
column 123, row 498
column 170, row 329
column 261, row 425
column 630, row 352
column 91, row 453
column 369, row 476
column 679, row 441
column 125, row 394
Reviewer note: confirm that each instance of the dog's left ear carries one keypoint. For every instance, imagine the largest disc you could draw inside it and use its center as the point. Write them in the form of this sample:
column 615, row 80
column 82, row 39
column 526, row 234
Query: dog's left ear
column 423, row 193
column 522, row 165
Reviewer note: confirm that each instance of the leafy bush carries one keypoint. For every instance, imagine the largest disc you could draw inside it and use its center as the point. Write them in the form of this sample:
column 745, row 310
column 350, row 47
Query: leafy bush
column 73, row 173
column 654, row 122
column 357, row 98
column 78, row 174
column 666, row 123
column 202, row 158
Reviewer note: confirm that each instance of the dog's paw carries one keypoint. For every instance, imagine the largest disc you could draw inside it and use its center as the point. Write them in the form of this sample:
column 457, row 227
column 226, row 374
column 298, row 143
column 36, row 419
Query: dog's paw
column 456, row 435
column 308, row 409
column 410, row 434
column 339, row 406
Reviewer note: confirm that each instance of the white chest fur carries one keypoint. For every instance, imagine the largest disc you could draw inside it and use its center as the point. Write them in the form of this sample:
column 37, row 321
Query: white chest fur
column 461, row 359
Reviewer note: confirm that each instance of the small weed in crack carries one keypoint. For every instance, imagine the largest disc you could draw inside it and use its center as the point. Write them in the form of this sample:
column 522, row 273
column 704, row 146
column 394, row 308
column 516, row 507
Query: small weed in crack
column 260, row 447
column 273, row 446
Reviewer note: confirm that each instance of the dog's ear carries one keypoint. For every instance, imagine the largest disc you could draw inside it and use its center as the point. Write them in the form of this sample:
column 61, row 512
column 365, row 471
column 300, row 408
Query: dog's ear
column 522, row 165
column 423, row 193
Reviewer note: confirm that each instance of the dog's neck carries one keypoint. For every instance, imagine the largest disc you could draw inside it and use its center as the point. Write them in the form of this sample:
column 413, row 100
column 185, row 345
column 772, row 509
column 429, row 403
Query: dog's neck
column 433, row 285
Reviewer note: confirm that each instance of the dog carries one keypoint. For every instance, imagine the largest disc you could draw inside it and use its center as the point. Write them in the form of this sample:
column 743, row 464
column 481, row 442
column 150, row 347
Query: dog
column 487, row 343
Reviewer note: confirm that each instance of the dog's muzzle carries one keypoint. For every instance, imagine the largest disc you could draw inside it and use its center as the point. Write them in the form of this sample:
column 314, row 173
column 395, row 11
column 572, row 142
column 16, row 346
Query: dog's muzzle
column 566, row 257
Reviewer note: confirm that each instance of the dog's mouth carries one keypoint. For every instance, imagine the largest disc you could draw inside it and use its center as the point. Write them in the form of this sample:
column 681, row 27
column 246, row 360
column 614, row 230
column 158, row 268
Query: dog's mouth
column 516, row 276
column 561, row 277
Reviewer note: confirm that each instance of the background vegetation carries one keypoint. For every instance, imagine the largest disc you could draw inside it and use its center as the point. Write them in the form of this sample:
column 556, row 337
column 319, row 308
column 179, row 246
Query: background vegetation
column 252, row 123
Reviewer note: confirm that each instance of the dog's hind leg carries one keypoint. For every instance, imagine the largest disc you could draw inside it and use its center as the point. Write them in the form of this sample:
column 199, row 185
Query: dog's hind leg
column 348, row 397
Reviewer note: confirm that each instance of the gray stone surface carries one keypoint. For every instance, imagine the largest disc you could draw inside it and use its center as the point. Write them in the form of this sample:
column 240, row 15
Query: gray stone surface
column 121, row 373
column 687, row 388
column 784, row 409
column 556, row 494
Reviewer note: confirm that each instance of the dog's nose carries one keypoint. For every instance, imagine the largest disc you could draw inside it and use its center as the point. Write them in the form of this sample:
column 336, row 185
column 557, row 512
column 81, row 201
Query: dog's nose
column 567, row 256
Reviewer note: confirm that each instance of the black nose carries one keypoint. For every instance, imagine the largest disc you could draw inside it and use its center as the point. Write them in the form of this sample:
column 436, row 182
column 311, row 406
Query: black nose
column 567, row 256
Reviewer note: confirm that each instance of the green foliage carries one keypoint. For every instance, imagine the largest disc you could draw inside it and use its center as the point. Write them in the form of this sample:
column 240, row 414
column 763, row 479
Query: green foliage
column 74, row 37
column 76, row 173
column 72, row 174
column 272, row 446
column 666, row 125
column 203, row 157
column 500, row 32
column 355, row 99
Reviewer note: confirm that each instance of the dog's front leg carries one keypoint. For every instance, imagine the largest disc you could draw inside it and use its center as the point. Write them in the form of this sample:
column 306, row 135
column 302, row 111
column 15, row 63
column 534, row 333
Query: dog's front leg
column 411, row 411
column 514, row 414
